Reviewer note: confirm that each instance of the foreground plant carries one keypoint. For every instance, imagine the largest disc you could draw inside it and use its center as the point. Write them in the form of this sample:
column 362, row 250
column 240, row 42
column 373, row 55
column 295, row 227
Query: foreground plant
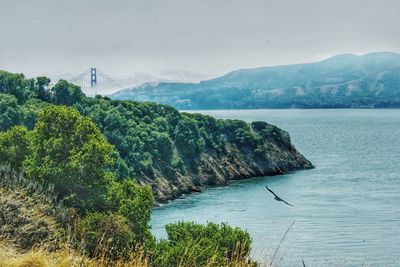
column 191, row 244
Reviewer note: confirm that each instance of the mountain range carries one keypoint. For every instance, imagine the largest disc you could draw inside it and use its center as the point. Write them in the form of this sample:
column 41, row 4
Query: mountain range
column 342, row 81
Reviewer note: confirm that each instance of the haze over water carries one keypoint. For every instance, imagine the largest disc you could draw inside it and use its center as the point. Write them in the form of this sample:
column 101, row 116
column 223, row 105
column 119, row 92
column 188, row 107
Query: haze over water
column 346, row 210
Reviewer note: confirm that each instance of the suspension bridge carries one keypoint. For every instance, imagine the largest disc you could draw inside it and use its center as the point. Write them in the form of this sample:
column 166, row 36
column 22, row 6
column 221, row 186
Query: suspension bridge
column 91, row 78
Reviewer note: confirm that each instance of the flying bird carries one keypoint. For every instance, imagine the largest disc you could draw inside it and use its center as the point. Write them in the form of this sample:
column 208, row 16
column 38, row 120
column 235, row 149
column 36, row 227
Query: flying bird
column 277, row 198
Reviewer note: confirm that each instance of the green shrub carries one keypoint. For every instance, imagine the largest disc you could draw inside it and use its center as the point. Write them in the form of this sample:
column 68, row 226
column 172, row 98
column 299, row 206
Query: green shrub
column 191, row 244
column 244, row 137
column 134, row 202
column 163, row 147
column 107, row 235
column 65, row 93
column 69, row 151
column 177, row 163
column 270, row 132
column 15, row 84
column 259, row 125
column 188, row 139
column 14, row 146
column 10, row 112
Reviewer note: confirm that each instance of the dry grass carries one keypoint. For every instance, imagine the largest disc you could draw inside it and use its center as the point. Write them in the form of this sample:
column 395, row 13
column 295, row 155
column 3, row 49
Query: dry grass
column 30, row 215
column 14, row 180
column 11, row 257
column 66, row 257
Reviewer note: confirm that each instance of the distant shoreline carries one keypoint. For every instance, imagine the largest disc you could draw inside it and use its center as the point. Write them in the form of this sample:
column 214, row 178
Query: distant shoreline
column 187, row 110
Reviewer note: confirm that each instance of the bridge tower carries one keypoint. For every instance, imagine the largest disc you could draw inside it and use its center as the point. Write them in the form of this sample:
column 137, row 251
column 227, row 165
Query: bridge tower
column 93, row 77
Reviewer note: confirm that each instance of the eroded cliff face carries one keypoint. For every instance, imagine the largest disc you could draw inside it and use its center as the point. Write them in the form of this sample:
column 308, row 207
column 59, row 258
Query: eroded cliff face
column 235, row 163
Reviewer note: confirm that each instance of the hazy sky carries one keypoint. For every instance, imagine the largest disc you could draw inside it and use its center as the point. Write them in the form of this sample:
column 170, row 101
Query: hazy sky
column 208, row 37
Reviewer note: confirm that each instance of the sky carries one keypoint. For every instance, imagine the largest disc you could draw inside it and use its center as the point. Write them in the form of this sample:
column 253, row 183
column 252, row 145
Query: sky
column 185, row 39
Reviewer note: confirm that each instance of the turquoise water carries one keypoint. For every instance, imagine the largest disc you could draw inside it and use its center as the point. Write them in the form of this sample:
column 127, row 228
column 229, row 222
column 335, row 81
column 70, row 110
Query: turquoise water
column 346, row 210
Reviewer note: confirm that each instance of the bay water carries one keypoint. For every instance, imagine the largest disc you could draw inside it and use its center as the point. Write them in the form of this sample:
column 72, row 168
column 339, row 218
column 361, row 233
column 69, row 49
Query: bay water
column 346, row 211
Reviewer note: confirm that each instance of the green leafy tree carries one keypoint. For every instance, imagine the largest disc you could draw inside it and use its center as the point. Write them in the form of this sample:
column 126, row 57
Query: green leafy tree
column 10, row 112
column 65, row 93
column 14, row 146
column 42, row 84
column 187, row 137
column 30, row 111
column 244, row 136
column 69, row 151
column 134, row 202
column 163, row 147
column 14, row 84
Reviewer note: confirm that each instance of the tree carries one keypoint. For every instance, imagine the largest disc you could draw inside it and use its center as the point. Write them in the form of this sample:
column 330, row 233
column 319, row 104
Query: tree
column 65, row 93
column 14, row 146
column 14, row 84
column 163, row 147
column 69, row 151
column 10, row 112
column 42, row 84
column 134, row 202
column 187, row 137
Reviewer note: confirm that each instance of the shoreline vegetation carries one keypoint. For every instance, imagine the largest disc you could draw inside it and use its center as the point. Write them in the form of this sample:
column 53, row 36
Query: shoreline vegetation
column 80, row 176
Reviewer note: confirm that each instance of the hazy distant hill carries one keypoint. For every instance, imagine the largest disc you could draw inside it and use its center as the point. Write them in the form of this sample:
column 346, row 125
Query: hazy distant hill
column 347, row 80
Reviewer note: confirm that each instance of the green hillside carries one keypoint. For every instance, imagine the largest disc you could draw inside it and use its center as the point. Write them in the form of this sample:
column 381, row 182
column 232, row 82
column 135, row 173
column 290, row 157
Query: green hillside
column 342, row 81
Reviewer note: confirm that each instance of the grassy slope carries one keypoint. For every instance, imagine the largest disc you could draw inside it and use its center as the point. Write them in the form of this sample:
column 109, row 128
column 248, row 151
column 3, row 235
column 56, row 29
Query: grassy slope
column 33, row 228
column 33, row 231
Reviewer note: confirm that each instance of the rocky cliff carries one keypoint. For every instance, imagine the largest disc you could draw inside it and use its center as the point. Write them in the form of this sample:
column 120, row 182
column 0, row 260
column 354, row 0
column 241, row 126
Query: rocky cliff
column 239, row 161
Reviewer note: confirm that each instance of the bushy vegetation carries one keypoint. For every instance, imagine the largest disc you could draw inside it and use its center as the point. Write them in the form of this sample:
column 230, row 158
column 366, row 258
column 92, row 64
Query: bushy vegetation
column 69, row 152
column 106, row 239
column 99, row 155
column 14, row 146
column 219, row 242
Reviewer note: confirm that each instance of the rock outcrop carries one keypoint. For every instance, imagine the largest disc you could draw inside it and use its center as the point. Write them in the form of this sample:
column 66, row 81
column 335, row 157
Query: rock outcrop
column 237, row 162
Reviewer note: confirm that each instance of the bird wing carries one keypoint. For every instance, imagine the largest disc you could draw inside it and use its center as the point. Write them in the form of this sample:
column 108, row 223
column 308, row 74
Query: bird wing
column 278, row 198
column 287, row 203
column 272, row 192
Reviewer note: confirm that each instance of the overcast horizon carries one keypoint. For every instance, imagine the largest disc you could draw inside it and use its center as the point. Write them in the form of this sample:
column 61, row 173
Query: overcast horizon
column 187, row 40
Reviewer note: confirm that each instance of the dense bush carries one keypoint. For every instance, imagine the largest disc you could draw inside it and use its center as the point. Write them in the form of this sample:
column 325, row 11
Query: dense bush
column 14, row 146
column 107, row 234
column 69, row 151
column 65, row 93
column 271, row 132
column 9, row 110
column 187, row 138
column 134, row 202
column 191, row 244
column 16, row 84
